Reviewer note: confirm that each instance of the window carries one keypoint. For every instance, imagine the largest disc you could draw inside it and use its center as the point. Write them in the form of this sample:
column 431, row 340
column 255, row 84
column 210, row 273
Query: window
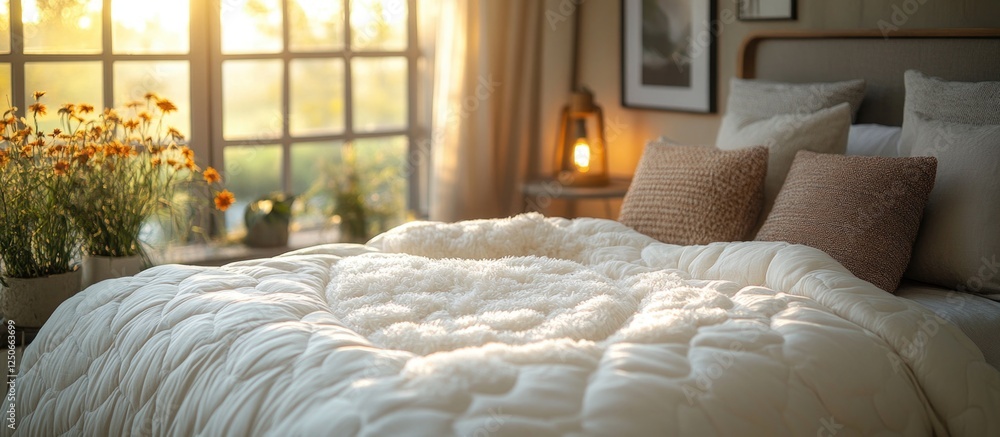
column 285, row 95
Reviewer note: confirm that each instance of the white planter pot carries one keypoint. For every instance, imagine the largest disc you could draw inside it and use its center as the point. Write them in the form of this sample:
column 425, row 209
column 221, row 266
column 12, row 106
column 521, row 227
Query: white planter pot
column 98, row 268
column 30, row 302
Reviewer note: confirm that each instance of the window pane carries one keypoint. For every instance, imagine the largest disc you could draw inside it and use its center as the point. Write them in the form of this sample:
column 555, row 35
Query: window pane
column 317, row 100
column 316, row 25
column 251, row 99
column 150, row 26
column 378, row 25
column 379, row 93
column 6, row 90
column 381, row 168
column 168, row 79
column 63, row 82
column 314, row 166
column 251, row 26
column 251, row 172
column 4, row 26
column 68, row 26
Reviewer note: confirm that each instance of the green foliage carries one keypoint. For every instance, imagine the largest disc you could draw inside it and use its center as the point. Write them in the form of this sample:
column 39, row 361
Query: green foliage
column 366, row 189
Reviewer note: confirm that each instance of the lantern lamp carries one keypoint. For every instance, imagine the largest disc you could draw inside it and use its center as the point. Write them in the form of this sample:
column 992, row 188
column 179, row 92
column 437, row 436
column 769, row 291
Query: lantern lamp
column 581, row 155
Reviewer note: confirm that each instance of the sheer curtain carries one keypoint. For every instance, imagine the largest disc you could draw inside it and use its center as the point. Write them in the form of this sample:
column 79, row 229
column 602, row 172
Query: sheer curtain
column 484, row 106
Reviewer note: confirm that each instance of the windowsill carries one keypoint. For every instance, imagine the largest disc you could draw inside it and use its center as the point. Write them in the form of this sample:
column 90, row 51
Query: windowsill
column 218, row 254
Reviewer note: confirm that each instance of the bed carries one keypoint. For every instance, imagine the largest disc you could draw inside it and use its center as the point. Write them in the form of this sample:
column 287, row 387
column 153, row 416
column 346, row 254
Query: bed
column 527, row 326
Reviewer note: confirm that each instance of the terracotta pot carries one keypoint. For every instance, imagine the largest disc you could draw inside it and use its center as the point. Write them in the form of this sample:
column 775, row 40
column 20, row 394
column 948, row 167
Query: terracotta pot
column 30, row 302
column 98, row 268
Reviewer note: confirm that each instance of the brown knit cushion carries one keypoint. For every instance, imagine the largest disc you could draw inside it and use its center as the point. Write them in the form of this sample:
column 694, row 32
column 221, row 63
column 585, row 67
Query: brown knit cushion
column 695, row 195
column 864, row 211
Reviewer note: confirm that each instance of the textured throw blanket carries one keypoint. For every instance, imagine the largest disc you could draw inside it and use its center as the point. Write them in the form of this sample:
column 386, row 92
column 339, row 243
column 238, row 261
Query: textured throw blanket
column 523, row 326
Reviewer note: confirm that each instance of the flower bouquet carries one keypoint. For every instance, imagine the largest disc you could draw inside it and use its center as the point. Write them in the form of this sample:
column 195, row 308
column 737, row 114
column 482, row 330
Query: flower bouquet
column 124, row 170
column 38, row 241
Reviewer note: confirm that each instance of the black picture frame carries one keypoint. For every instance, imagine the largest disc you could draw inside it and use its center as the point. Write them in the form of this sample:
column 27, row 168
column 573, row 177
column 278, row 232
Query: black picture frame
column 745, row 12
column 669, row 55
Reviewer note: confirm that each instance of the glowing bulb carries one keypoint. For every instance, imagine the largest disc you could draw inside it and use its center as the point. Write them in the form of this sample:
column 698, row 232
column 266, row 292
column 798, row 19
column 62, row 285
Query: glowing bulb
column 581, row 155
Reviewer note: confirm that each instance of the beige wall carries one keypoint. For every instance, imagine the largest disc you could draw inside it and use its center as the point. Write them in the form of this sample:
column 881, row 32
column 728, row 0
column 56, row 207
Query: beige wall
column 600, row 62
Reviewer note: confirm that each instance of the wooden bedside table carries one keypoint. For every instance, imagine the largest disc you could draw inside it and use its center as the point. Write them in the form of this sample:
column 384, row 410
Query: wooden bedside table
column 539, row 193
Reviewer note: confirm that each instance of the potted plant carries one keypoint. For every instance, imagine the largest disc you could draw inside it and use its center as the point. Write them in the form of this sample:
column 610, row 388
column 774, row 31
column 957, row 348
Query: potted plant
column 360, row 190
column 38, row 242
column 124, row 170
column 267, row 220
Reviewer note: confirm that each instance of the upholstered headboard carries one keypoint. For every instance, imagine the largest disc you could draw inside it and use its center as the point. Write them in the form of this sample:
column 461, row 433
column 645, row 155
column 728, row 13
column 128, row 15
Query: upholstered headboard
column 827, row 56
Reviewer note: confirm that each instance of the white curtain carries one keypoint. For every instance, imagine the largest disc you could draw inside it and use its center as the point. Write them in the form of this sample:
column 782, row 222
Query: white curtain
column 484, row 106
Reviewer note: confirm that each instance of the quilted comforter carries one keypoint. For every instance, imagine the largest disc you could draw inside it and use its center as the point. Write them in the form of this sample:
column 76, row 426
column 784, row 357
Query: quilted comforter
column 523, row 326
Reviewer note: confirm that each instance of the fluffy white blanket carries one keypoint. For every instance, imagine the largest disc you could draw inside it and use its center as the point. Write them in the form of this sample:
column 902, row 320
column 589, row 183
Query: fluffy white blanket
column 524, row 326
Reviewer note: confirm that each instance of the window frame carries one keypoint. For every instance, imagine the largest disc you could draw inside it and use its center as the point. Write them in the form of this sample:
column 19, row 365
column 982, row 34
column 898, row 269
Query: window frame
column 411, row 131
column 205, row 62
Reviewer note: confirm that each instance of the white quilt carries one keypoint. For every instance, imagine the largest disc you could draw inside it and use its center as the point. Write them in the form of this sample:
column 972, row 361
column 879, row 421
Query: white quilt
column 524, row 326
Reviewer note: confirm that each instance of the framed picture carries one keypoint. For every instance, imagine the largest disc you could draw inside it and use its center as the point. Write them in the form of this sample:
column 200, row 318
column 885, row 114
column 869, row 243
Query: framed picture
column 766, row 10
column 668, row 55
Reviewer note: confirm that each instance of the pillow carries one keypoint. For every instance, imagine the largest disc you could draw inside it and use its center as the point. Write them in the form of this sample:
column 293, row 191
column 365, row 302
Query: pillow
column 959, row 123
column 824, row 131
column 864, row 211
column 766, row 99
column 695, row 195
column 873, row 140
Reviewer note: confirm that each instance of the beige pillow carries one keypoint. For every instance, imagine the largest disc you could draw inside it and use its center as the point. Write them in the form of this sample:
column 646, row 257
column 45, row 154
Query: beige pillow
column 959, row 241
column 695, row 195
column 763, row 99
column 823, row 131
column 864, row 211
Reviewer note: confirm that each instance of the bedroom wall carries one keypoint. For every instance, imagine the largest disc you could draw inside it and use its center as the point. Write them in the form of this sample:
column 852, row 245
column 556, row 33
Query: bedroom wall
column 599, row 64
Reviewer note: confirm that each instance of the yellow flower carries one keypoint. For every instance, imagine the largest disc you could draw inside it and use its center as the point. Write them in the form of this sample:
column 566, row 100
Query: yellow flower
column 175, row 134
column 4, row 158
column 111, row 115
column 61, row 167
column 86, row 109
column 156, row 161
column 27, row 151
column 133, row 104
column 146, row 116
column 187, row 153
column 38, row 109
column 131, row 124
column 165, row 105
column 224, row 199
column 68, row 109
column 38, row 95
column 151, row 96
column 84, row 155
column 212, row 175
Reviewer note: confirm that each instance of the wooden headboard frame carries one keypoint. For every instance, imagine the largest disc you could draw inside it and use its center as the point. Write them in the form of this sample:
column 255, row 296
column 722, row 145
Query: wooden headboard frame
column 832, row 55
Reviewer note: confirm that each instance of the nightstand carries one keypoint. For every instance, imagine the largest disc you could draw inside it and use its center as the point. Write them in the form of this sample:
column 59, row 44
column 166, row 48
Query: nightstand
column 538, row 194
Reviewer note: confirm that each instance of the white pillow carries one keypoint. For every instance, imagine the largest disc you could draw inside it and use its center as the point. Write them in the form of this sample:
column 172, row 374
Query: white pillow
column 874, row 140
column 824, row 131
column 958, row 245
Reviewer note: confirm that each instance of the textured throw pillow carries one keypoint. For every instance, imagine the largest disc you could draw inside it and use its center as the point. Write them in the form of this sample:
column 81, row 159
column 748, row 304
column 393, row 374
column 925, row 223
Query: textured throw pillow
column 695, row 195
column 823, row 131
column 958, row 123
column 864, row 211
column 766, row 99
